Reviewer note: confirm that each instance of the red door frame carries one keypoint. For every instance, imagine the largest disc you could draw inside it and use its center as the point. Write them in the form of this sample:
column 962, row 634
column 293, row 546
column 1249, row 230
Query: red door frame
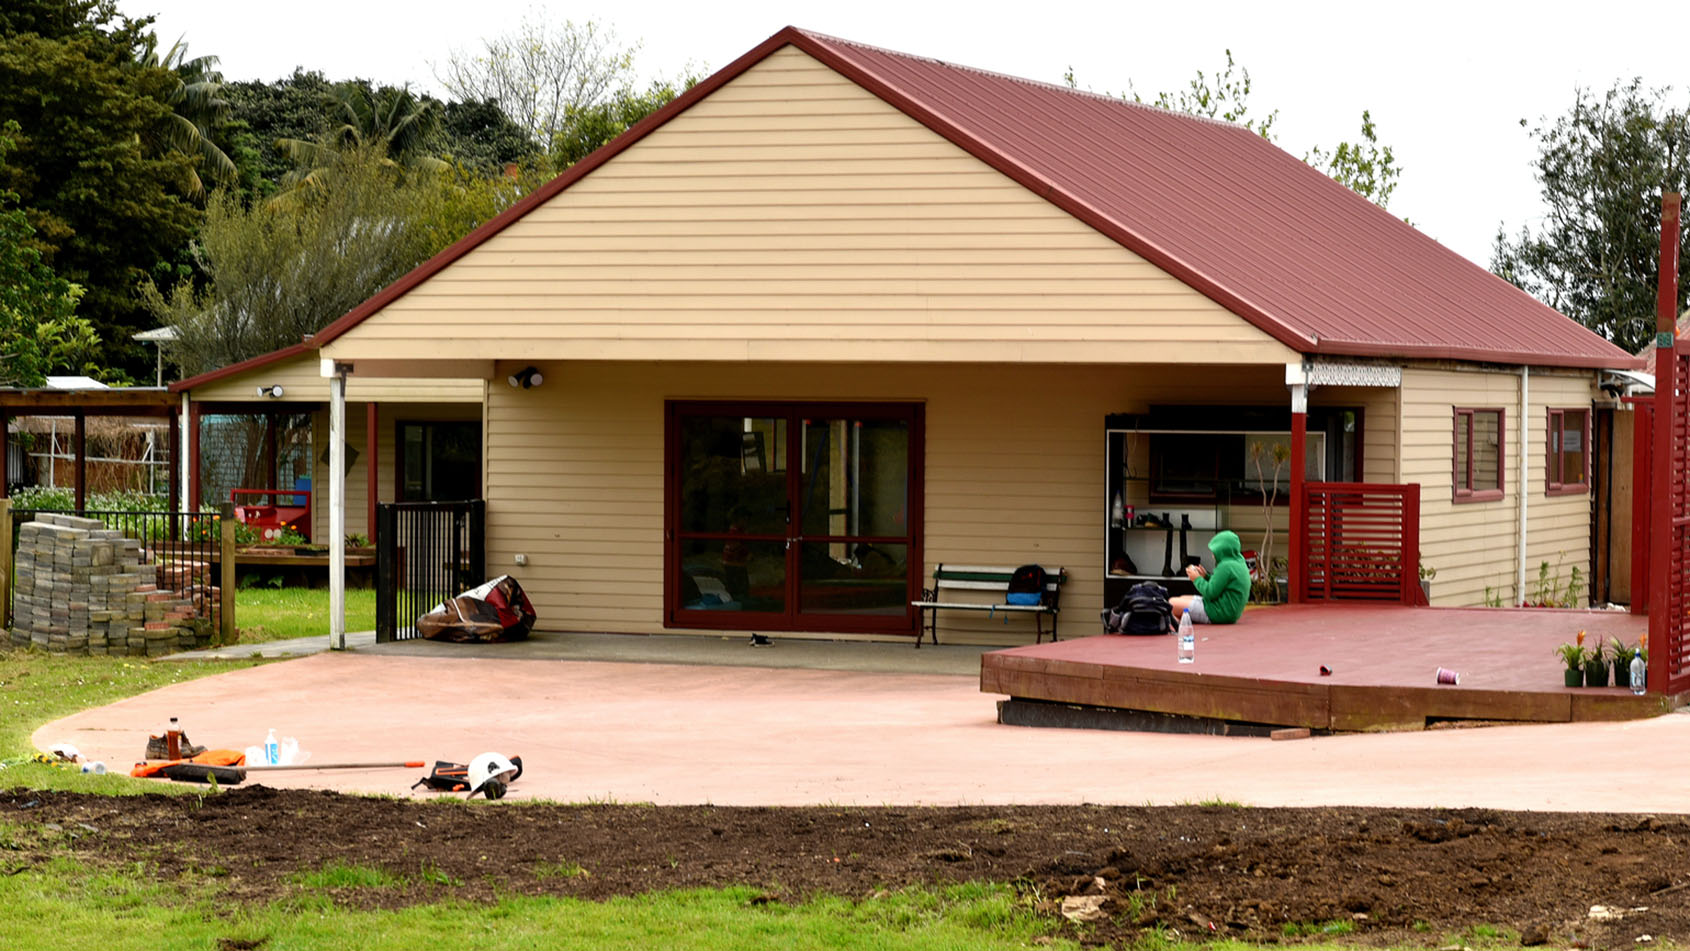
column 793, row 619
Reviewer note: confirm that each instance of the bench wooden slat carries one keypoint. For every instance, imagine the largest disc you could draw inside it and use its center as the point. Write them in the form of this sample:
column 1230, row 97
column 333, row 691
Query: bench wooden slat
column 989, row 578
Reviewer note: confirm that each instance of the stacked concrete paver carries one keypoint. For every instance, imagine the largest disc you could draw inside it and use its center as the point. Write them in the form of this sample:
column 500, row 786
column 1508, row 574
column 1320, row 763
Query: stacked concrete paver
column 83, row 588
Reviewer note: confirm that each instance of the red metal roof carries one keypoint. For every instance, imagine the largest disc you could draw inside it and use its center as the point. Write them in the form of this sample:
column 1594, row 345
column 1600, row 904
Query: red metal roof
column 1305, row 259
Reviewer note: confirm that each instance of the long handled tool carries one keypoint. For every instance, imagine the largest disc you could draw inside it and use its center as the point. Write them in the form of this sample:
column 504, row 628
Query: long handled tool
column 396, row 764
column 231, row 775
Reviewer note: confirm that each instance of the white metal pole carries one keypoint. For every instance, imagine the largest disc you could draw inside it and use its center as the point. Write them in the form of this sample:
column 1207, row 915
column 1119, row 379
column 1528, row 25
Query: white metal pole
column 337, row 509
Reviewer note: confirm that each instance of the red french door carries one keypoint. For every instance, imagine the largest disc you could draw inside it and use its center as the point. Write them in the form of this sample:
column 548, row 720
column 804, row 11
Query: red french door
column 792, row 516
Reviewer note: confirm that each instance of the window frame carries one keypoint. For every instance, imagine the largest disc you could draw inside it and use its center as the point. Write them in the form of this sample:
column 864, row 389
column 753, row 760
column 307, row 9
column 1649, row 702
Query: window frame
column 1462, row 428
column 1551, row 456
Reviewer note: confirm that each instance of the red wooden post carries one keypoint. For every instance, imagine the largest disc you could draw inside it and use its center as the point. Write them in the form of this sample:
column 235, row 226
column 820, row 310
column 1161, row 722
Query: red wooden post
column 1667, row 457
column 1642, row 497
column 1295, row 570
column 192, row 459
column 372, row 474
column 1411, row 543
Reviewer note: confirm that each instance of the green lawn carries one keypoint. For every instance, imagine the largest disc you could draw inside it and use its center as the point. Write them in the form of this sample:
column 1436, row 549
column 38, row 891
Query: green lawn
column 276, row 614
column 63, row 903
column 37, row 688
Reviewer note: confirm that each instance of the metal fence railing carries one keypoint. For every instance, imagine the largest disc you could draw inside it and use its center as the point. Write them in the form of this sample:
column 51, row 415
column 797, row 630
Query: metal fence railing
column 86, row 580
column 426, row 552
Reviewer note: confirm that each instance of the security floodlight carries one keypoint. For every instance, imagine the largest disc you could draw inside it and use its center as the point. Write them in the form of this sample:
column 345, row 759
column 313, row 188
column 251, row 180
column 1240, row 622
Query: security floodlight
column 526, row 378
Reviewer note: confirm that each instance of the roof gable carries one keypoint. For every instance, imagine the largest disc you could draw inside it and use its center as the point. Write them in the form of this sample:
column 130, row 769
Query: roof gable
column 1304, row 259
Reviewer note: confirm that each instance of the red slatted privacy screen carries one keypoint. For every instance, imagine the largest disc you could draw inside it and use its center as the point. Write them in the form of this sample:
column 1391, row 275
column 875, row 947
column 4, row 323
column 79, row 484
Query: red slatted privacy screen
column 1361, row 542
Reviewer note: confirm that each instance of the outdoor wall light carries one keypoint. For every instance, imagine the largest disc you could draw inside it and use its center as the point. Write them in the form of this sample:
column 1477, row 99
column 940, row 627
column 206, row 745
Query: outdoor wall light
column 526, row 378
column 274, row 392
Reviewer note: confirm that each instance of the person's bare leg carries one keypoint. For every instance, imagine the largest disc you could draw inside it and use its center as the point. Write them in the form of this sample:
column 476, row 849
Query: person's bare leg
column 1180, row 605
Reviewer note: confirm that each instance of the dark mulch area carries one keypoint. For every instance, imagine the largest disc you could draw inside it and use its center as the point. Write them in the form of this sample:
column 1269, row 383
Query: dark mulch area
column 1200, row 870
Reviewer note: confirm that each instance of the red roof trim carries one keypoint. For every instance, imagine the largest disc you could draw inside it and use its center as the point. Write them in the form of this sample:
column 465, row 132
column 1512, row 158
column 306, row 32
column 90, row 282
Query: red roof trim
column 546, row 192
column 212, row 376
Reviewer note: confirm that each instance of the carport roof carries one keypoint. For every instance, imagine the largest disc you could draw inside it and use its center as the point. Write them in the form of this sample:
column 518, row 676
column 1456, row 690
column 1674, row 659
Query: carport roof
column 1265, row 235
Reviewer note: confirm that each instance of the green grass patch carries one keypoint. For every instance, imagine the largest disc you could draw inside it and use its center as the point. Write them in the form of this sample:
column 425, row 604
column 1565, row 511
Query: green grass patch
column 279, row 614
column 64, row 903
column 37, row 688
column 1318, row 929
column 551, row 870
column 341, row 875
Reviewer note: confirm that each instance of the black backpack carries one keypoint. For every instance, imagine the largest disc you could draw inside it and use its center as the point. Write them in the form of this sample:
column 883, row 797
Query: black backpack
column 1026, row 586
column 1146, row 610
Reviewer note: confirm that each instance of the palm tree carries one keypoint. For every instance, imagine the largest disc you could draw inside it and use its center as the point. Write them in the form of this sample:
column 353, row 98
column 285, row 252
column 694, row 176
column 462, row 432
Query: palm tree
column 196, row 107
column 392, row 126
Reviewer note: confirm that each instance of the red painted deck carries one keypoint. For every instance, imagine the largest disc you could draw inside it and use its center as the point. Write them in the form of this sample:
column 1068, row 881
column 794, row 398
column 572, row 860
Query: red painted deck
column 1384, row 661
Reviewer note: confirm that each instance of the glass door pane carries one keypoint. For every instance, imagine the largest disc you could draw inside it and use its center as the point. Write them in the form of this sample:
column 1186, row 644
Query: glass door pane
column 733, row 512
column 854, row 532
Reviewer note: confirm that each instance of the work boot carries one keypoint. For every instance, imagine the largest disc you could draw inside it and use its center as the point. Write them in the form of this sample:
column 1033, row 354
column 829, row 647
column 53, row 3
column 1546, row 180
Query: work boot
column 157, row 748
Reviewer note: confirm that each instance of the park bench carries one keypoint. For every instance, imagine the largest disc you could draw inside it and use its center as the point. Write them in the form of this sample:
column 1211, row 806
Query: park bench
column 979, row 578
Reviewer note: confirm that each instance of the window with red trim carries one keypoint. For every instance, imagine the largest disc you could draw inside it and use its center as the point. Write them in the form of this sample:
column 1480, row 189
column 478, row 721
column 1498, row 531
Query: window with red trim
column 1566, row 469
column 1477, row 463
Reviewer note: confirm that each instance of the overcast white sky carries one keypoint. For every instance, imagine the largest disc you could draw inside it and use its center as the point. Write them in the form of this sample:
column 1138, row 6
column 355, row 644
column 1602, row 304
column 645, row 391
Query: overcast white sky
column 1447, row 83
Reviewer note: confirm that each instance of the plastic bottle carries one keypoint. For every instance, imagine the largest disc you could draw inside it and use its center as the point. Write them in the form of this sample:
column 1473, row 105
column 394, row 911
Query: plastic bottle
column 1639, row 675
column 272, row 753
column 173, row 739
column 1187, row 640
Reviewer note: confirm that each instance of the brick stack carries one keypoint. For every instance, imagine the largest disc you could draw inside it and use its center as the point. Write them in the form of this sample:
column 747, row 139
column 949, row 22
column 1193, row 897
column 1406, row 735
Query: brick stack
column 85, row 589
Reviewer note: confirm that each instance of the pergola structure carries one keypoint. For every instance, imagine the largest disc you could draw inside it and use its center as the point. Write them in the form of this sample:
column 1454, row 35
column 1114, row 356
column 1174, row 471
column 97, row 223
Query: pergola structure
column 81, row 404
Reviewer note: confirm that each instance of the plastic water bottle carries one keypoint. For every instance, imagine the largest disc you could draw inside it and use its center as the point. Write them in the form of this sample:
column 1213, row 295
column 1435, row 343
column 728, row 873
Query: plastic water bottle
column 1639, row 675
column 1187, row 640
column 272, row 752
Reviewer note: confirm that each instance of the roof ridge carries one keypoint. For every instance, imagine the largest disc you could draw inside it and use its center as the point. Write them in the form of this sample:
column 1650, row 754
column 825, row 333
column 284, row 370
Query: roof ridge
column 1011, row 77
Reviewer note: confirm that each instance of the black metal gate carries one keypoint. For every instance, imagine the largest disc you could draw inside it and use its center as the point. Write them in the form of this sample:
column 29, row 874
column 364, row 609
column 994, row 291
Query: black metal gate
column 426, row 552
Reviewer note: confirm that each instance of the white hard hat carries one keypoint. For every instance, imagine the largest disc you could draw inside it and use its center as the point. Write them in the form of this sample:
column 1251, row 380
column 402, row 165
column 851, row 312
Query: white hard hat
column 489, row 773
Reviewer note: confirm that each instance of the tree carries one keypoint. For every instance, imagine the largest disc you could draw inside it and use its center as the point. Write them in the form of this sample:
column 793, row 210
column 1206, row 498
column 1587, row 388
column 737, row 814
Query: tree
column 587, row 128
column 542, row 71
column 1602, row 167
column 1226, row 98
column 1365, row 167
column 389, row 126
column 480, row 136
column 279, row 271
column 39, row 330
column 196, row 106
column 107, row 210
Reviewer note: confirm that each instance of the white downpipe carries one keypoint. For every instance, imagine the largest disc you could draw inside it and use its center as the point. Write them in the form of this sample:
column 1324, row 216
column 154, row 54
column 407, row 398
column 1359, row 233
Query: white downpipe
column 1522, row 426
column 337, row 509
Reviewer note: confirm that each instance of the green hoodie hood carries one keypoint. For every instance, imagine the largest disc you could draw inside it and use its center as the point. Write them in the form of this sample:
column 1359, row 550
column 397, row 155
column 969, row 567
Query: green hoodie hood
column 1226, row 545
column 1226, row 588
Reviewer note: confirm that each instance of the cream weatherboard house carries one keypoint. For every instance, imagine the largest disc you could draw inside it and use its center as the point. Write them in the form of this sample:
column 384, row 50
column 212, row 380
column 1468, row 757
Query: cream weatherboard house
column 838, row 315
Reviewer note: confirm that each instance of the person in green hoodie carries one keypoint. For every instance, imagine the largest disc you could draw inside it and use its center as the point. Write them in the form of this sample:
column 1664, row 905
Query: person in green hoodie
column 1221, row 594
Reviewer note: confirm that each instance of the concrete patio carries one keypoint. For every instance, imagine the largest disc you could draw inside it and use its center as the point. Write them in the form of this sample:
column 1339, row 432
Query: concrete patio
column 911, row 728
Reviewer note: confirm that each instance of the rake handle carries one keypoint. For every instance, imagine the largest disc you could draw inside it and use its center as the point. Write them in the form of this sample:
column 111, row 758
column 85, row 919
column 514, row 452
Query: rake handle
column 408, row 764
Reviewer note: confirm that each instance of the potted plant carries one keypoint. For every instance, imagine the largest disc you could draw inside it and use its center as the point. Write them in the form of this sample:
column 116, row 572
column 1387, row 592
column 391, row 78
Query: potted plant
column 1427, row 573
column 1621, row 656
column 1596, row 666
column 1574, row 656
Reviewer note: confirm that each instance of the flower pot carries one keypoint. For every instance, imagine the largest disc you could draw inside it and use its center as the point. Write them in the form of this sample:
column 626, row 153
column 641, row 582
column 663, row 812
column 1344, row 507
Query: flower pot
column 1574, row 676
column 1426, row 589
column 1596, row 675
column 1622, row 672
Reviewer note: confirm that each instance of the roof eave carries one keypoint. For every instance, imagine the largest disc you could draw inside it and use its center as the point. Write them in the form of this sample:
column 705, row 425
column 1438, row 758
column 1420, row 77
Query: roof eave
column 1591, row 361
column 262, row 360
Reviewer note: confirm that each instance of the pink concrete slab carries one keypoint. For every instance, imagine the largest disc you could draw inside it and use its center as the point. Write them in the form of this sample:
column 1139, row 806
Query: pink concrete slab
column 729, row 735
